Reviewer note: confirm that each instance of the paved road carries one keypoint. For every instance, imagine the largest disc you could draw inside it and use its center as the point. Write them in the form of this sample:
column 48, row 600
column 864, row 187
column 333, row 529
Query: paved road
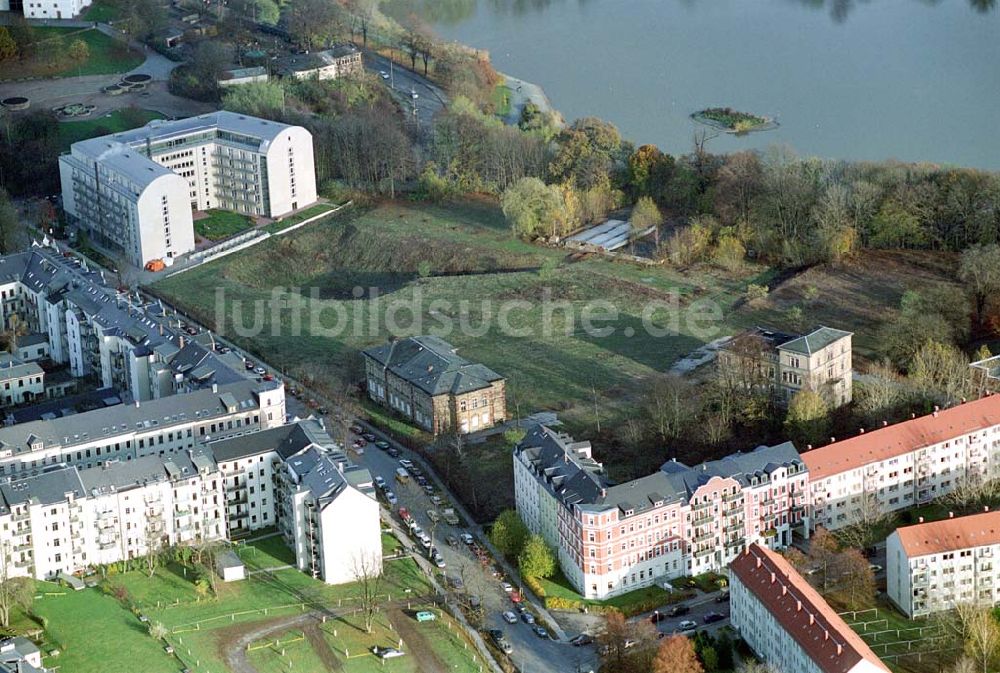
column 430, row 98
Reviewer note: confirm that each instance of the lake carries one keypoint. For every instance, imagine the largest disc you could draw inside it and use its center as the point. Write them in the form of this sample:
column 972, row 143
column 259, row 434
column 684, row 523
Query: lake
column 915, row 80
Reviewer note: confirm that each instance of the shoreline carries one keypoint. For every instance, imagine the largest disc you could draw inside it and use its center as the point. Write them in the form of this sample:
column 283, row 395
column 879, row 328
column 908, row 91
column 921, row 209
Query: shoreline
column 523, row 92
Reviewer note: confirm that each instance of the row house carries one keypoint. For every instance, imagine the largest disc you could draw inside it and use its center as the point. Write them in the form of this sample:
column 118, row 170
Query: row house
column 787, row 623
column 895, row 467
column 125, row 432
column 681, row 520
column 295, row 477
column 74, row 318
column 932, row 567
column 67, row 519
column 425, row 380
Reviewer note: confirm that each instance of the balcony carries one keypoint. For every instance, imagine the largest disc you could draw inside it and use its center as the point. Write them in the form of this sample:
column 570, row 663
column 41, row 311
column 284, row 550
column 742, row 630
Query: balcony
column 701, row 553
column 732, row 497
column 703, row 537
column 702, row 519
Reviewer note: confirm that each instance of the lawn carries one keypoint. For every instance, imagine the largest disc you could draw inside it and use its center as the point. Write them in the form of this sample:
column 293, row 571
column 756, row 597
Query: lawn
column 50, row 59
column 269, row 552
column 455, row 266
column 95, row 635
column 312, row 211
column 352, row 645
column 501, row 100
column 101, row 11
column 220, row 224
column 905, row 645
column 112, row 122
column 287, row 652
column 631, row 603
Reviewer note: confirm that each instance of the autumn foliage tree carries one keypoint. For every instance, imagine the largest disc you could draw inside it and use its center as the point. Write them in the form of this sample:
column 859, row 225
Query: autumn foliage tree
column 676, row 655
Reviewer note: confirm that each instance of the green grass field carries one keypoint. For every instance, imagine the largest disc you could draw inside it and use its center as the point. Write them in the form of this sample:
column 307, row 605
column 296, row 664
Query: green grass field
column 312, row 211
column 50, row 59
column 270, row 552
column 221, row 224
column 286, row 652
column 905, row 645
column 113, row 122
column 458, row 265
column 95, row 635
column 101, row 12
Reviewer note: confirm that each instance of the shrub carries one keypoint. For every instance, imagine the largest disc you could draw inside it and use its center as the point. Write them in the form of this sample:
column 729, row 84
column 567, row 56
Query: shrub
column 756, row 293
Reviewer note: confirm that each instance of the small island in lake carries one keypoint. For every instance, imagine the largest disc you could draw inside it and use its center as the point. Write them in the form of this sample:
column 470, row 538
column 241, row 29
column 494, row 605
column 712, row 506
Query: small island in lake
column 733, row 121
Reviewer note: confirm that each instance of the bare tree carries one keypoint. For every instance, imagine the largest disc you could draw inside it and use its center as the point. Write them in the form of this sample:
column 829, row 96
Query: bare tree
column 975, row 628
column 14, row 591
column 867, row 521
column 971, row 493
column 368, row 576
column 668, row 403
column 154, row 546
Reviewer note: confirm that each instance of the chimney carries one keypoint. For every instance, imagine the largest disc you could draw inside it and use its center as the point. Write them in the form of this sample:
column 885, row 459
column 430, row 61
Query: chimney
column 798, row 606
column 920, row 519
column 840, row 649
column 604, row 492
column 758, row 561
column 885, row 423
column 137, row 404
column 833, row 440
column 812, row 619
column 861, row 431
column 772, row 578
column 784, row 590
column 826, row 634
column 951, row 515
column 215, row 387
column 161, row 329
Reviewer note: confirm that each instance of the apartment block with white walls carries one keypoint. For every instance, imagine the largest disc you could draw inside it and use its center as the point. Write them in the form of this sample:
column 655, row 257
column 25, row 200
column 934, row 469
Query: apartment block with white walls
column 67, row 519
column 895, row 467
column 934, row 566
column 787, row 623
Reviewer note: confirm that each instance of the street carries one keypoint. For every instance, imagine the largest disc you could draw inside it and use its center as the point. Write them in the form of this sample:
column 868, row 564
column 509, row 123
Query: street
column 430, row 99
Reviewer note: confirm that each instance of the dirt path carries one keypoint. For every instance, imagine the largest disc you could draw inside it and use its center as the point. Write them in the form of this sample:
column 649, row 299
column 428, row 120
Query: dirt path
column 322, row 648
column 427, row 660
column 233, row 641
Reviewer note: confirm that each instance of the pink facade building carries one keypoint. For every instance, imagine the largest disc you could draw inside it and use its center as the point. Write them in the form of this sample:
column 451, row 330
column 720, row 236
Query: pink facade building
column 679, row 521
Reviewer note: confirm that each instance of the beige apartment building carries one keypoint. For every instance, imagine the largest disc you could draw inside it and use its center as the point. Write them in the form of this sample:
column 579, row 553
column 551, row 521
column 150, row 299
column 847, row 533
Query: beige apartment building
column 819, row 360
column 424, row 379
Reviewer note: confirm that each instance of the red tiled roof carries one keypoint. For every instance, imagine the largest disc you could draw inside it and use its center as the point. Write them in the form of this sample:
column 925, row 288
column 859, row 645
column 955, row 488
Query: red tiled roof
column 961, row 532
column 901, row 438
column 801, row 611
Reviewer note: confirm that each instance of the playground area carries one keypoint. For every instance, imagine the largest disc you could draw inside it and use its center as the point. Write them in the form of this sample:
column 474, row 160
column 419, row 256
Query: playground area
column 905, row 645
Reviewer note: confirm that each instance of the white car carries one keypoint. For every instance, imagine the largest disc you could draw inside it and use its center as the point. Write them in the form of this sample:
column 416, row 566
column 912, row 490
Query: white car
column 414, row 95
column 510, row 617
column 507, row 587
column 688, row 625
column 391, row 498
column 383, row 74
column 386, row 652
column 406, row 463
column 467, row 538
column 380, row 482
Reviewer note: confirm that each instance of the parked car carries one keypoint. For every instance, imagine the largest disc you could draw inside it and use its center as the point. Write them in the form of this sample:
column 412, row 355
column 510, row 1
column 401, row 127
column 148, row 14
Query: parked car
column 509, row 617
column 713, row 617
column 723, row 597
column 380, row 482
column 393, row 451
column 249, row 364
column 506, row 586
column 433, row 515
column 657, row 617
column 687, row 625
column 425, row 616
column 467, row 538
column 437, row 500
column 456, row 582
column 679, row 609
column 452, row 541
column 496, row 635
column 505, row 646
column 382, row 444
column 429, row 489
column 357, row 429
column 391, row 498
column 406, row 463
column 386, row 652
column 260, row 371
column 439, row 562
column 358, row 444
column 541, row 632
column 582, row 639
column 369, row 437
column 527, row 618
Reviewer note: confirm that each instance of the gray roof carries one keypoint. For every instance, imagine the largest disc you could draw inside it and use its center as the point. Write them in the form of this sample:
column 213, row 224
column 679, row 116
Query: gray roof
column 159, row 413
column 286, row 440
column 578, row 480
column 14, row 369
column 432, row 364
column 115, row 476
column 814, row 341
column 315, row 60
column 324, row 480
column 13, row 655
column 47, row 488
column 264, row 130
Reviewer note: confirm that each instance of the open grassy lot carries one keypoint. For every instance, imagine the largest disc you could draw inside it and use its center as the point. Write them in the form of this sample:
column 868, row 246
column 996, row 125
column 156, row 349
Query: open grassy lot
column 50, row 56
column 452, row 270
column 312, row 211
column 904, row 645
column 352, row 645
column 220, row 224
column 559, row 594
column 860, row 295
column 112, row 122
column 95, row 635
column 101, row 12
column 289, row 651
column 270, row 552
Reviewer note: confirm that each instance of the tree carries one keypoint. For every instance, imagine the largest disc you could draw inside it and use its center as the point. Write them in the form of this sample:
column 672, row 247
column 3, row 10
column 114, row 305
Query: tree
column 729, row 253
column 509, row 534
column 823, row 550
column 668, row 403
column 970, row 493
column 11, row 230
column 258, row 99
column 14, row 591
column 79, row 51
column 979, row 270
column 8, row 46
column 857, row 580
column 941, row 372
column 676, row 655
column 881, row 392
column 158, row 631
column 368, row 576
column 645, row 214
column 977, row 630
column 309, row 22
column 625, row 646
column 533, row 208
column 536, row 558
column 154, row 545
column 808, row 417
column 866, row 520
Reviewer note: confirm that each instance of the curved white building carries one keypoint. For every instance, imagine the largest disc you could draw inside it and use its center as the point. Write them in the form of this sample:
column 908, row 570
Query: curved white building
column 134, row 191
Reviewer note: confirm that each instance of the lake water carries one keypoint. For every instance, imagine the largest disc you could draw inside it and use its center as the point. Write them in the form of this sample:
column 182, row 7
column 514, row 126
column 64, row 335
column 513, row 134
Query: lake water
column 916, row 80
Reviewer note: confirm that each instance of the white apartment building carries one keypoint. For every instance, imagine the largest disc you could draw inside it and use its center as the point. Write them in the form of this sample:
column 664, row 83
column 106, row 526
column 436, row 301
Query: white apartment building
column 898, row 466
column 931, row 567
column 787, row 623
column 20, row 655
column 77, row 319
column 20, row 382
column 46, row 9
column 329, row 516
column 296, row 477
column 126, row 432
column 680, row 520
column 66, row 519
column 134, row 191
